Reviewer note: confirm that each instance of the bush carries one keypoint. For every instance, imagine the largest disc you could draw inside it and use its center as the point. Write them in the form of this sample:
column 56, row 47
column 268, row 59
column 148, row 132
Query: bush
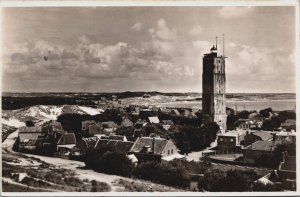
column 260, row 187
column 162, row 173
column 230, row 181
column 115, row 163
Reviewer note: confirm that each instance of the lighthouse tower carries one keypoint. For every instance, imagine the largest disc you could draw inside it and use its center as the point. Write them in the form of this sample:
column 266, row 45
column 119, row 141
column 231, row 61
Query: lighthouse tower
column 214, row 88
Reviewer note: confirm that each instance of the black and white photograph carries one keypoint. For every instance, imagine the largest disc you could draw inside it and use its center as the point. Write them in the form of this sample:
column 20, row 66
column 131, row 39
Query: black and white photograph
column 149, row 98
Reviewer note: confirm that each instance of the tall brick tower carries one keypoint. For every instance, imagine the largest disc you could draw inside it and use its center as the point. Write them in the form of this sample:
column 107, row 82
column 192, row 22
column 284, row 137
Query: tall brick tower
column 213, row 88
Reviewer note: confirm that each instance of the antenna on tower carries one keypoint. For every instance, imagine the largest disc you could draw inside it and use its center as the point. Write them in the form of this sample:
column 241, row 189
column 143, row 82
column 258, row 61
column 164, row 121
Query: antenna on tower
column 223, row 45
column 216, row 42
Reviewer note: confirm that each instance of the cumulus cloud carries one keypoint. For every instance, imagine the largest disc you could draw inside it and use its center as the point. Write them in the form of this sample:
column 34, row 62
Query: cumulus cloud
column 136, row 27
column 196, row 30
column 234, row 12
column 162, row 31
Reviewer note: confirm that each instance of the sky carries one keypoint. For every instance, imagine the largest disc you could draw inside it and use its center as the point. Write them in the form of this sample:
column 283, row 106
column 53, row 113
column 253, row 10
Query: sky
column 110, row 49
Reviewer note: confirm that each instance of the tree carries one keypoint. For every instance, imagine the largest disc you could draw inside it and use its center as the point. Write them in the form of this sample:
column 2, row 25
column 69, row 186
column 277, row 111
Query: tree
column 230, row 181
column 115, row 163
column 266, row 112
column 29, row 123
column 163, row 173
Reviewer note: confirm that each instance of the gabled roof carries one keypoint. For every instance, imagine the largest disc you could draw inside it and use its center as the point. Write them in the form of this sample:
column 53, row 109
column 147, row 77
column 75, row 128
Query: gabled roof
column 28, row 136
column 263, row 145
column 153, row 119
column 159, row 144
column 116, row 137
column 175, row 111
column 265, row 136
column 67, row 138
column 90, row 142
column 289, row 122
column 119, row 145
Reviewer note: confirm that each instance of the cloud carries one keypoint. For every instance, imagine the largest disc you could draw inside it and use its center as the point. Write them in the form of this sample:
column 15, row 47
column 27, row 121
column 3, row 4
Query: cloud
column 234, row 12
column 196, row 30
column 136, row 27
column 163, row 32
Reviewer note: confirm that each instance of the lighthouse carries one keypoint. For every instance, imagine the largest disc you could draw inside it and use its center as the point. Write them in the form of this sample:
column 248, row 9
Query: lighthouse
column 214, row 88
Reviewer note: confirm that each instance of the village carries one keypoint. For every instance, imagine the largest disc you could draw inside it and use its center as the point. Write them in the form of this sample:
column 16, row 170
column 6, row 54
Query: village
column 153, row 134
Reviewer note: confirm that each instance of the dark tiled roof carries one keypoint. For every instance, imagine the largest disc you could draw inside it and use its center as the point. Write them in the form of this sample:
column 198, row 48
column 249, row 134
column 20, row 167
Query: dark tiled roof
column 263, row 145
column 37, row 129
column 67, row 138
column 28, row 136
column 289, row 122
column 116, row 137
column 289, row 163
column 159, row 144
column 263, row 135
column 94, row 129
column 88, row 143
column 117, row 144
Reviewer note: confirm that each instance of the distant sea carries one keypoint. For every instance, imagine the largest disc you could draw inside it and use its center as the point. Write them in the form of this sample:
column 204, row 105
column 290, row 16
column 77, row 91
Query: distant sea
column 276, row 105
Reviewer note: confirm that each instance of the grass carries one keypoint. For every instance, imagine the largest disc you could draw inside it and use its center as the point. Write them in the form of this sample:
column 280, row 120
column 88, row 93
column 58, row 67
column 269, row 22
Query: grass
column 9, row 187
column 46, row 176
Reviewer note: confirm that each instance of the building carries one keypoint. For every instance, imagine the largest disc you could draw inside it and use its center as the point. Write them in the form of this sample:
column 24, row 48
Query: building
column 167, row 124
column 126, row 122
column 153, row 119
column 109, row 126
column 28, row 137
column 65, row 144
column 289, row 125
column 252, row 137
column 86, row 144
column 213, row 88
column 230, row 141
column 283, row 136
column 91, row 128
column 258, row 149
column 157, row 149
column 287, row 172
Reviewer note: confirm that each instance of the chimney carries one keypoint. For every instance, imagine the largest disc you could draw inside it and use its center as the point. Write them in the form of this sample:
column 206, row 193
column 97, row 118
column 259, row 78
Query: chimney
column 153, row 142
column 274, row 137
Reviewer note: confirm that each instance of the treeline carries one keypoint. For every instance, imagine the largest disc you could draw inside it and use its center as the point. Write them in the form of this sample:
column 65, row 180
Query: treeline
column 20, row 100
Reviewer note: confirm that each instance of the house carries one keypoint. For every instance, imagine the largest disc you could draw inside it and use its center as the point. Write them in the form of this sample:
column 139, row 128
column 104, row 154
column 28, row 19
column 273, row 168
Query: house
column 289, row 124
column 165, row 110
column 259, row 148
column 52, row 127
column 283, row 136
column 287, row 171
column 133, row 159
column 118, row 145
column 149, row 149
column 231, row 140
column 248, row 124
column 86, row 144
column 114, row 97
column 252, row 137
column 109, row 126
column 175, row 112
column 66, row 142
column 91, row 128
column 167, row 124
column 138, row 126
column 126, row 122
column 28, row 137
column 153, row 119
